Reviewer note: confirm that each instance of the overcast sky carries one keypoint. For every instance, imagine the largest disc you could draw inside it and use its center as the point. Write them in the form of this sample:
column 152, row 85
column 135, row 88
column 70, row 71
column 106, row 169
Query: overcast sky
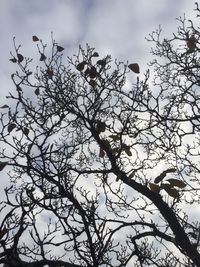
column 116, row 27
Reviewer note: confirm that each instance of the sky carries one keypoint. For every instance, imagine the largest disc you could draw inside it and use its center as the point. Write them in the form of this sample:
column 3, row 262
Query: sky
column 116, row 27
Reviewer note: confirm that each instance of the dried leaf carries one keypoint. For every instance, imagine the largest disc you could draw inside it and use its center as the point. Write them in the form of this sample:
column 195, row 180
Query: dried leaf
column 154, row 187
column 172, row 192
column 101, row 126
column 170, row 170
column 127, row 149
column 134, row 67
column 35, row 38
column 50, row 73
column 119, row 176
column 26, row 131
column 60, row 48
column 191, row 43
column 176, row 182
column 81, row 65
column 93, row 72
column 37, row 91
column 42, row 57
column 101, row 62
column 101, row 152
column 95, row 54
column 3, row 232
column 14, row 60
column 160, row 177
column 165, row 186
column 132, row 174
column 29, row 73
column 5, row 106
column 115, row 137
column 2, row 165
column 93, row 83
column 20, row 58
column 11, row 126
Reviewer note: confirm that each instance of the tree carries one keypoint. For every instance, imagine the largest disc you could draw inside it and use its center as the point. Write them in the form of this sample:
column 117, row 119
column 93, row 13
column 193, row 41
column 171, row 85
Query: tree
column 102, row 174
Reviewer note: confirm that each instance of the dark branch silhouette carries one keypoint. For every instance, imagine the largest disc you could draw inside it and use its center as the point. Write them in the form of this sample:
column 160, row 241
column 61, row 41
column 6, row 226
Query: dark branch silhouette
column 101, row 173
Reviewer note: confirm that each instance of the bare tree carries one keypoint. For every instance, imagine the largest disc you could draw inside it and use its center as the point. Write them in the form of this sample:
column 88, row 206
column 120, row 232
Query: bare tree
column 101, row 173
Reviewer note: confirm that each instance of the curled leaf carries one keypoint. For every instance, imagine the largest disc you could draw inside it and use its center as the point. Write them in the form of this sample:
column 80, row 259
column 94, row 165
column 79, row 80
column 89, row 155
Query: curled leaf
column 134, row 67
column 35, row 38
column 11, row 126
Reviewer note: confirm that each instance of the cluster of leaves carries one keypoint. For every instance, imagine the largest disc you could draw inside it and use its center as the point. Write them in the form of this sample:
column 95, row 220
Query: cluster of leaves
column 84, row 152
column 170, row 186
